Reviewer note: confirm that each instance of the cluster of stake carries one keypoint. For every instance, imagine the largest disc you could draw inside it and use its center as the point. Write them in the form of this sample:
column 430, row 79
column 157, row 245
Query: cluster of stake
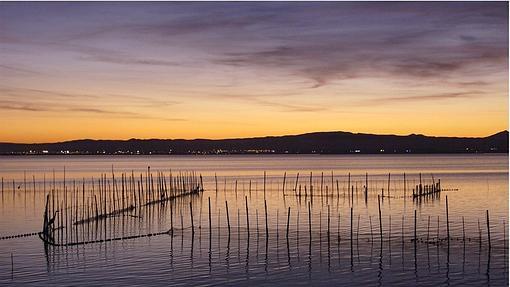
column 427, row 190
column 101, row 201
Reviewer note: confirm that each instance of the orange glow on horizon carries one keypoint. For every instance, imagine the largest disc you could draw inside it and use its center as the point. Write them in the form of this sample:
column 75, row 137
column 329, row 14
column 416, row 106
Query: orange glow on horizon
column 233, row 70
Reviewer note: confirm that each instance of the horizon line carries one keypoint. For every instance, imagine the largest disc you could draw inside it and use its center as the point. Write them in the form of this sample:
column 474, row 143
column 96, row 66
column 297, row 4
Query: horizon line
column 250, row 137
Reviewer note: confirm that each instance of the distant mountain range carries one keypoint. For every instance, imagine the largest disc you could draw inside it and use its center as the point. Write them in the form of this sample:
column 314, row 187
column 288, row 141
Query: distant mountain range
column 310, row 143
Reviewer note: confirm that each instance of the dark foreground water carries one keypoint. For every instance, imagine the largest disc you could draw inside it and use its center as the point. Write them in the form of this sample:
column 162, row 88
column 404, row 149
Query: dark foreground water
column 351, row 253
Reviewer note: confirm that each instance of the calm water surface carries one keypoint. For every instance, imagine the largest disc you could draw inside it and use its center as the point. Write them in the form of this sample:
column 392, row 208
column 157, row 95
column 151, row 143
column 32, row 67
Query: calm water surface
column 473, row 184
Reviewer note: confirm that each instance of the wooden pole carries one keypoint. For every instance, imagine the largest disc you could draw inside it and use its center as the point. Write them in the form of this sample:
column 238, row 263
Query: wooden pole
column 210, row 224
column 322, row 183
column 366, row 184
column 297, row 180
column 191, row 215
column 311, row 187
column 348, row 183
column 332, row 183
column 216, row 182
column 447, row 221
column 389, row 179
column 283, row 186
column 479, row 232
column 421, row 186
column 265, row 191
column 228, row 218
column 265, row 212
column 247, row 216
column 488, row 229
column 380, row 218
column 463, row 230
column 405, row 184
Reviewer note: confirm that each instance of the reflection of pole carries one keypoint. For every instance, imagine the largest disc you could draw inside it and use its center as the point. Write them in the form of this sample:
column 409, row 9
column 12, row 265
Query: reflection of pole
column 428, row 229
column 328, row 223
column 351, row 227
column 415, row 227
column 310, row 222
column 288, row 221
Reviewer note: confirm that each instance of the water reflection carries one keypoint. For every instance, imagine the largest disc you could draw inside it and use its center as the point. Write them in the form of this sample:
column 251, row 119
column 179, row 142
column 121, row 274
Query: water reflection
column 338, row 207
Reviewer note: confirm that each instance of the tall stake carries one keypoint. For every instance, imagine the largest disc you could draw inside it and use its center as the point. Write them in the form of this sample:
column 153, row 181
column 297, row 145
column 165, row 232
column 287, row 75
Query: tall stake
column 228, row 218
column 463, row 230
column 210, row 225
column 283, row 187
column 191, row 215
column 265, row 188
column 380, row 219
column 247, row 216
column 366, row 184
column 216, row 181
column 265, row 211
column 447, row 221
column 405, row 184
column 389, row 177
column 488, row 229
column 297, row 180
column 348, row 183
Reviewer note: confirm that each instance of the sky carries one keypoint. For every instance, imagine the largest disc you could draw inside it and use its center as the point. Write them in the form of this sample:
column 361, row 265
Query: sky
column 118, row 70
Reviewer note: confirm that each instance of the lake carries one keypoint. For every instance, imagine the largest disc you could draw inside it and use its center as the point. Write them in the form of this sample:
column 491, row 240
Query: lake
column 330, row 235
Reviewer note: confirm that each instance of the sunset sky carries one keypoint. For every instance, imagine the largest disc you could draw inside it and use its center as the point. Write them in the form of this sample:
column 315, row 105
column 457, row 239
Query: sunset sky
column 222, row 70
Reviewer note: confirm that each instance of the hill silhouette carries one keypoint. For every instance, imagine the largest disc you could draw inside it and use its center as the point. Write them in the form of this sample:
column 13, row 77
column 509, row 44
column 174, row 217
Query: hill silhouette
column 309, row 143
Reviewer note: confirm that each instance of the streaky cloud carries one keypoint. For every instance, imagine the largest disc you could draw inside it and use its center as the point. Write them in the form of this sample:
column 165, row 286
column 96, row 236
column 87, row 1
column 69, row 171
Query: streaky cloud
column 423, row 98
